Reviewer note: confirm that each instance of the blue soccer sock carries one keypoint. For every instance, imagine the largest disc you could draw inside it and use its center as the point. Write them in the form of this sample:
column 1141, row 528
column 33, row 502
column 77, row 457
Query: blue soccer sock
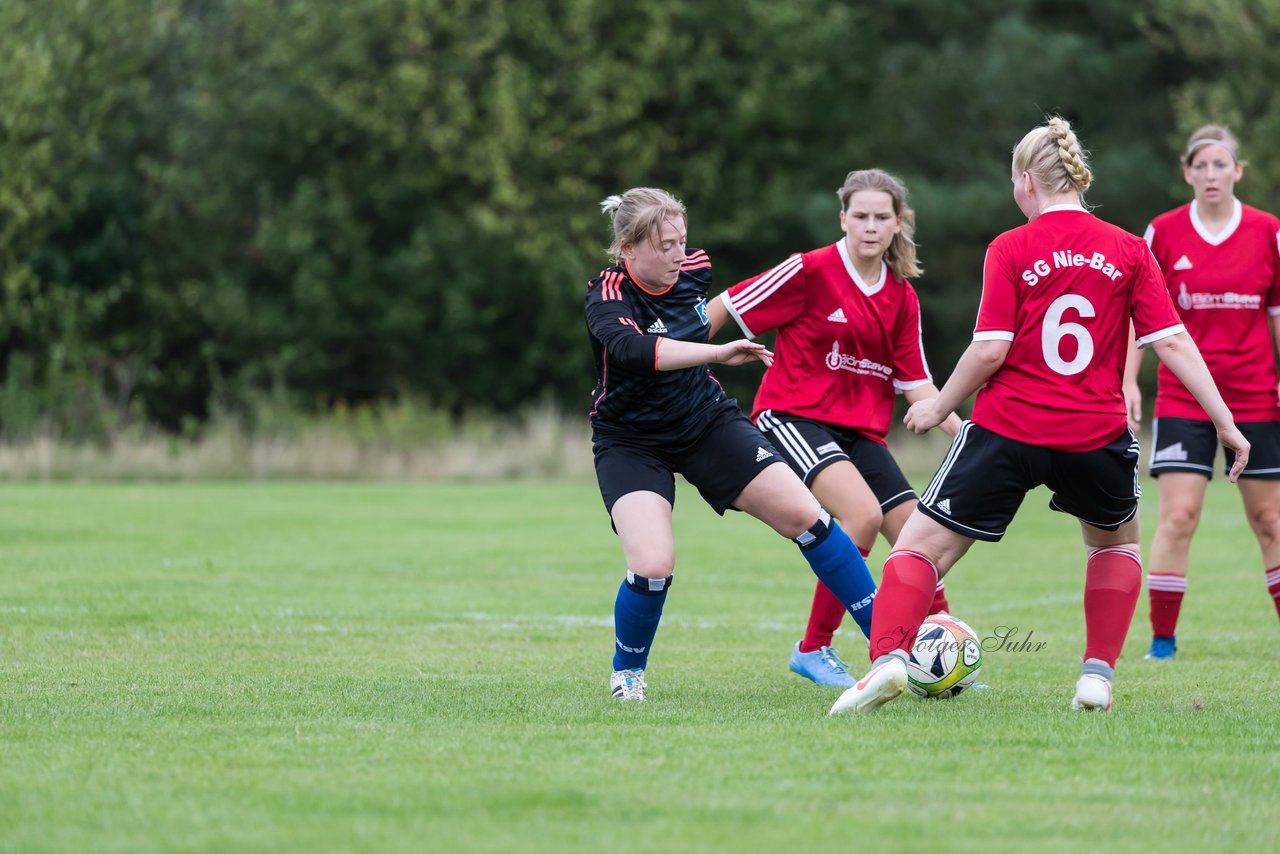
column 837, row 563
column 636, row 613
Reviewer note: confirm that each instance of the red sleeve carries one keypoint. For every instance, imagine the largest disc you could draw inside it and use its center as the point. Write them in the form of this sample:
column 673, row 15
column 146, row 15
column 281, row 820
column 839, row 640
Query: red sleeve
column 909, row 366
column 770, row 299
column 998, row 311
column 1151, row 307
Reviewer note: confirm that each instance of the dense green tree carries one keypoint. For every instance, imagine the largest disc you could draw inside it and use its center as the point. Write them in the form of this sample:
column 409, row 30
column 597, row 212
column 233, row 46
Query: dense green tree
column 203, row 202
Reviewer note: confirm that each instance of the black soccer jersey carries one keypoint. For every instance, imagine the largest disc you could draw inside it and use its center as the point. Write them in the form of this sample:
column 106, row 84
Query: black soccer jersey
column 632, row 397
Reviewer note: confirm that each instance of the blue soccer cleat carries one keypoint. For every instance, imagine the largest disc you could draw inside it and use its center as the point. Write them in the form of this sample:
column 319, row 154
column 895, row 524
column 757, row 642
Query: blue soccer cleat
column 822, row 666
column 1162, row 649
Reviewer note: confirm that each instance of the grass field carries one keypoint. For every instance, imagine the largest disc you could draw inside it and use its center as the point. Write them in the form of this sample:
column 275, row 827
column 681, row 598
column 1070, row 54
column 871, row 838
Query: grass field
column 335, row 667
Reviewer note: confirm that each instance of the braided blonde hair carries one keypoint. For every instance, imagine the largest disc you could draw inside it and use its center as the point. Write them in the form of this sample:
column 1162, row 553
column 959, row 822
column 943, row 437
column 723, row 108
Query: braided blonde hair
column 638, row 215
column 1052, row 154
column 901, row 254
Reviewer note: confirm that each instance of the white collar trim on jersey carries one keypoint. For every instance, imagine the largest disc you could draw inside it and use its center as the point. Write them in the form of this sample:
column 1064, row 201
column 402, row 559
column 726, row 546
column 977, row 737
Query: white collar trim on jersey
column 1053, row 208
column 869, row 290
column 1215, row 239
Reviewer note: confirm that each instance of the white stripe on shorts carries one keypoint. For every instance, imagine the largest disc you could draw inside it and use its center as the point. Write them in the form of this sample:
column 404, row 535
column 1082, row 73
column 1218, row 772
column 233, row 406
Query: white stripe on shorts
column 957, row 444
column 789, row 440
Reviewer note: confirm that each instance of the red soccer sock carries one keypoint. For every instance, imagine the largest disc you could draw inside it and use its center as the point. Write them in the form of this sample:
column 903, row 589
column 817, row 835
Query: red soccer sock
column 825, row 615
column 1273, row 586
column 1112, row 582
column 909, row 584
column 1165, row 591
column 940, row 604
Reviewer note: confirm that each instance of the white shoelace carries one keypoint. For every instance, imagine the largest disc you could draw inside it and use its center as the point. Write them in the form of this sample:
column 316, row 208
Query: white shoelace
column 833, row 661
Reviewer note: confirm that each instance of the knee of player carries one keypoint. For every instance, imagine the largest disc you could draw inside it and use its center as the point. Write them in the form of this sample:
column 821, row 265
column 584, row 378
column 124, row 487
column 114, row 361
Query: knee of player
column 802, row 519
column 652, row 565
column 863, row 525
column 1180, row 521
column 1265, row 522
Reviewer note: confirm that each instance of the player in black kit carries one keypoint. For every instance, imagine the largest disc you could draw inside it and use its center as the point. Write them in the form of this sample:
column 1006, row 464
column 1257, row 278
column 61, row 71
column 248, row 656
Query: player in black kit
column 658, row 410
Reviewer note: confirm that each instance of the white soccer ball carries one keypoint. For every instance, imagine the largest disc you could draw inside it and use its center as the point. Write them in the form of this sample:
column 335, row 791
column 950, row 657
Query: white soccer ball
column 945, row 659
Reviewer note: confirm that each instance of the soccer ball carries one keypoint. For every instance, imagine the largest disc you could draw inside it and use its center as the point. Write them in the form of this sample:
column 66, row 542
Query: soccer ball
column 945, row 659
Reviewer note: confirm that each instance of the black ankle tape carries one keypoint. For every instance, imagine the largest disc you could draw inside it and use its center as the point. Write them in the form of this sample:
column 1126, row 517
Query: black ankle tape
column 815, row 536
column 648, row 586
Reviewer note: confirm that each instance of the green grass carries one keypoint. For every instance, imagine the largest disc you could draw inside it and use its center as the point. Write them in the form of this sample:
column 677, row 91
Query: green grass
column 375, row 667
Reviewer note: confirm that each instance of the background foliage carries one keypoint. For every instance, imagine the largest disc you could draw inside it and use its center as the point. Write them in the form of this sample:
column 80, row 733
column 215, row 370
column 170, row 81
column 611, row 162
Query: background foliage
column 206, row 205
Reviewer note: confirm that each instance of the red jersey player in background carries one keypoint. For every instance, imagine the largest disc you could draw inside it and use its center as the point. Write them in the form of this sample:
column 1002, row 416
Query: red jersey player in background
column 848, row 339
column 1221, row 263
column 1058, row 297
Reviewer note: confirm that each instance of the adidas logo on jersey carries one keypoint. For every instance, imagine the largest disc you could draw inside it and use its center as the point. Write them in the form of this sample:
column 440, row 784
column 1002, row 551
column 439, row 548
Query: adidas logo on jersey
column 1183, row 263
column 1175, row 453
column 837, row 316
column 762, row 454
column 658, row 327
column 944, row 506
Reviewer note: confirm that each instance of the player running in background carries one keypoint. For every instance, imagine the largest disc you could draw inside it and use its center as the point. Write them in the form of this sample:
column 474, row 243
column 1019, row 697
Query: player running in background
column 848, row 338
column 1058, row 296
column 659, row 410
column 1221, row 263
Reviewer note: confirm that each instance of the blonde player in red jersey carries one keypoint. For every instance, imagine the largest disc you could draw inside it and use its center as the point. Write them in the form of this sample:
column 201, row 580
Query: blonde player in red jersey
column 1221, row 262
column 848, row 325
column 1048, row 353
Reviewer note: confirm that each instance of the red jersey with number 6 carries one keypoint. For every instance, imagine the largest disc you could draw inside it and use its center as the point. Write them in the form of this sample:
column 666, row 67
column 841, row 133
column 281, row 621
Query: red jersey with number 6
column 1226, row 285
column 1062, row 289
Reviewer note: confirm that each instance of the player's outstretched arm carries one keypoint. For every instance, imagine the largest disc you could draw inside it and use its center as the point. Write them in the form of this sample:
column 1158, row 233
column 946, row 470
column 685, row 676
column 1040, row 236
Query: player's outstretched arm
column 1181, row 355
column 673, row 354
column 979, row 362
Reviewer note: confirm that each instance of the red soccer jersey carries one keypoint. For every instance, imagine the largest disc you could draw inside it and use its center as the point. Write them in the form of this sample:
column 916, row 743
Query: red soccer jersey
column 1062, row 289
column 1225, row 286
column 843, row 347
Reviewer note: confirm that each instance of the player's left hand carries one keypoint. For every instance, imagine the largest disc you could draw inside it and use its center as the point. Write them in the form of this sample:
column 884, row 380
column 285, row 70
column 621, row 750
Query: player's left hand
column 924, row 415
column 742, row 351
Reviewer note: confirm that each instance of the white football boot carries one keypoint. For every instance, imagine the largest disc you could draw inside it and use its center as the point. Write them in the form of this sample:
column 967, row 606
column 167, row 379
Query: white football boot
column 628, row 685
column 886, row 681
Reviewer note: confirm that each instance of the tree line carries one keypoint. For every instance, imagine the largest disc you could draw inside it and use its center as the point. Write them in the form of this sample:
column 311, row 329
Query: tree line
column 205, row 204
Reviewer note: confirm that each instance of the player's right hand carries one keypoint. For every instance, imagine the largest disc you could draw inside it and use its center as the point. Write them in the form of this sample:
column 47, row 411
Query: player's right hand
column 1231, row 437
column 924, row 415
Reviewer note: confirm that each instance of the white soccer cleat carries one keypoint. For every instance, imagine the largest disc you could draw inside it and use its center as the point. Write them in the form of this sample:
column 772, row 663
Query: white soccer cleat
column 885, row 682
column 628, row 685
column 1093, row 694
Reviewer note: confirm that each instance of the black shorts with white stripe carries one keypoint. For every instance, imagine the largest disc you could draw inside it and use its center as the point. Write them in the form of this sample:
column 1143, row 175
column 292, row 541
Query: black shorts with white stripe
column 1190, row 444
column 810, row 446
column 980, row 486
column 720, row 455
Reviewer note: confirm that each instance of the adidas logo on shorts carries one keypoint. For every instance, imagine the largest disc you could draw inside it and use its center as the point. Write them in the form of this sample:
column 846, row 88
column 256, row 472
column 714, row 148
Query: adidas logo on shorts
column 1173, row 453
column 762, row 454
column 944, row 506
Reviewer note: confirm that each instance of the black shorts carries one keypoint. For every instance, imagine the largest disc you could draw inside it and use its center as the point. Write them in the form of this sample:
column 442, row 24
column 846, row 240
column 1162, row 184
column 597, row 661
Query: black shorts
column 985, row 476
column 1189, row 445
column 720, row 457
column 810, row 446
